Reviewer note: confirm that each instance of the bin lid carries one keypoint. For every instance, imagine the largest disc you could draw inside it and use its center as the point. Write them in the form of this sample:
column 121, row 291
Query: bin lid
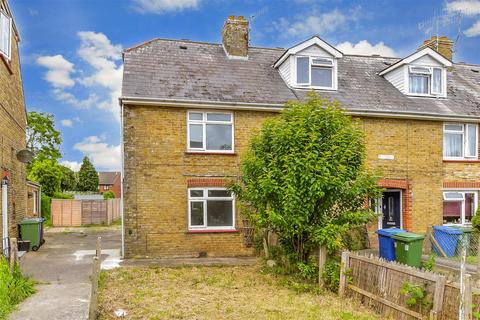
column 408, row 236
column 29, row 221
column 389, row 231
column 464, row 229
column 447, row 229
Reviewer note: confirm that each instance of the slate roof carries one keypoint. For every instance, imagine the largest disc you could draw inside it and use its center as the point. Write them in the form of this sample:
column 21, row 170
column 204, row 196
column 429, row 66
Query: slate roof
column 186, row 70
column 105, row 178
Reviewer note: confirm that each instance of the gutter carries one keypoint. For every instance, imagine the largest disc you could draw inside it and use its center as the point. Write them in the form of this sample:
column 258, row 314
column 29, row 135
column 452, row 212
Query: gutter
column 122, row 253
column 277, row 107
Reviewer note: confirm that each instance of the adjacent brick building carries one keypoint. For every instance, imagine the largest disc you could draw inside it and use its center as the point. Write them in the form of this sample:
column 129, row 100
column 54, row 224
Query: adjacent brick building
column 12, row 128
column 189, row 109
column 109, row 181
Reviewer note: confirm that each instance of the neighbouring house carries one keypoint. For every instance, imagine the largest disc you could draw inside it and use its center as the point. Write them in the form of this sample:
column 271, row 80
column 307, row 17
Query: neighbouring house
column 109, row 181
column 34, row 199
column 189, row 109
column 13, row 121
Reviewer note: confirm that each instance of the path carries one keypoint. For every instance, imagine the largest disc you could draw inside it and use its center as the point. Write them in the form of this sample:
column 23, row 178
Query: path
column 63, row 266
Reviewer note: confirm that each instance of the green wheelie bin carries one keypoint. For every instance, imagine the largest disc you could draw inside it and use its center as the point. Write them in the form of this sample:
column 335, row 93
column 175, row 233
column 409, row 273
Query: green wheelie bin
column 408, row 248
column 31, row 229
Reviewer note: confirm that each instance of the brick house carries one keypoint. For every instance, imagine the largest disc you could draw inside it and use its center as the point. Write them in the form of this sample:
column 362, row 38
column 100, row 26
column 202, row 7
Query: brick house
column 12, row 128
column 189, row 109
column 109, row 181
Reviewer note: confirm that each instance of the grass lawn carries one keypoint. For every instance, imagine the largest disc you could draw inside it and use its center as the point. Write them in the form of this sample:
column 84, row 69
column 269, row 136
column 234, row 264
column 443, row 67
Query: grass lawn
column 215, row 293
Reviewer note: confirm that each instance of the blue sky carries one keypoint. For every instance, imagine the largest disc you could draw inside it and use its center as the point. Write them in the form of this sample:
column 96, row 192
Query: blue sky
column 71, row 49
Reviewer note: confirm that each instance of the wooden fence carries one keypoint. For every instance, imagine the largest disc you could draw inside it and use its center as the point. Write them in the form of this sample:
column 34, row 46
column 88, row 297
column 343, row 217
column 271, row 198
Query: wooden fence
column 76, row 213
column 376, row 283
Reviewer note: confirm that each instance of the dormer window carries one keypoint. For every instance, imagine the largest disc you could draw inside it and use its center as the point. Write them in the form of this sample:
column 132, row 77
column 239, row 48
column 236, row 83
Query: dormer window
column 315, row 72
column 425, row 80
column 5, row 34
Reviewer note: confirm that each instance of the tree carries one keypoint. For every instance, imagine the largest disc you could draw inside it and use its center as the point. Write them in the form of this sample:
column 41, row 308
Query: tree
column 87, row 176
column 69, row 180
column 108, row 195
column 42, row 137
column 304, row 177
column 47, row 172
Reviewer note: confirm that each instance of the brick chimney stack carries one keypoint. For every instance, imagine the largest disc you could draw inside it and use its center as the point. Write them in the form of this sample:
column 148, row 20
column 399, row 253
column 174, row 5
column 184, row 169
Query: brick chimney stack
column 442, row 45
column 235, row 37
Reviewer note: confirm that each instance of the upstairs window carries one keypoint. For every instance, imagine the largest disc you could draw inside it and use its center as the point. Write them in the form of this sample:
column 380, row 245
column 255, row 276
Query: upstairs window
column 210, row 131
column 460, row 141
column 5, row 35
column 210, row 208
column 425, row 80
column 315, row 72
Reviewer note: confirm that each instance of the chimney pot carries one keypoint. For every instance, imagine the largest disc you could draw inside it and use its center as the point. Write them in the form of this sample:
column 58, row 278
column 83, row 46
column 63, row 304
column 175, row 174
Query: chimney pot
column 442, row 45
column 235, row 37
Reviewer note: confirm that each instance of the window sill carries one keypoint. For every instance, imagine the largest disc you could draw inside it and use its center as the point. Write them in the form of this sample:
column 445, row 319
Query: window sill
column 211, row 153
column 212, row 231
column 461, row 160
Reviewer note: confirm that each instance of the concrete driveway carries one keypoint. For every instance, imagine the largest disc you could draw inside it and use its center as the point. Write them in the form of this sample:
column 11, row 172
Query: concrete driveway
column 63, row 266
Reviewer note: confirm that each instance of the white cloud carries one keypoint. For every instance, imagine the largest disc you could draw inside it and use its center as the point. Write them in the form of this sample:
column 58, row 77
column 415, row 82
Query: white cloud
column 103, row 155
column 474, row 30
column 66, row 122
column 74, row 165
column 466, row 7
column 59, row 70
column 101, row 74
column 364, row 47
column 163, row 6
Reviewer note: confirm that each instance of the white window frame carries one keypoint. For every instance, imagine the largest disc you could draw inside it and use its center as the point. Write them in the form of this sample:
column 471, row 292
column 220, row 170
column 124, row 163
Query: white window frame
column 8, row 55
column 313, row 65
column 35, row 201
column 204, row 200
column 204, row 123
column 462, row 214
column 429, row 74
column 465, row 141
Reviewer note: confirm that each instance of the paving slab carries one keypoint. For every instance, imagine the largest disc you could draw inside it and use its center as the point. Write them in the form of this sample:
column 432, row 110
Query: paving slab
column 63, row 267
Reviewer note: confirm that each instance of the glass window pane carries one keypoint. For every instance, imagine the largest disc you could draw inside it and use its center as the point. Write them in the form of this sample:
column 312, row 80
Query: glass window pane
column 219, row 137
column 437, row 81
column 196, row 213
column 472, row 140
column 219, row 193
column 196, row 136
column 219, row 117
column 469, row 206
column 454, row 127
column 323, row 62
column 322, row 77
column 219, row 213
column 452, row 196
column 195, row 116
column 303, row 64
column 421, row 70
column 452, row 211
column 4, row 34
column 419, row 84
column 452, row 144
column 196, row 193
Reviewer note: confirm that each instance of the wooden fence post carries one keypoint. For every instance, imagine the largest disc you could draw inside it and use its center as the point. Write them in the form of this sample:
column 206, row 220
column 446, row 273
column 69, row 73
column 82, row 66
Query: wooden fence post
column 438, row 297
column 322, row 259
column 343, row 276
column 468, row 297
column 427, row 245
column 92, row 314
column 13, row 252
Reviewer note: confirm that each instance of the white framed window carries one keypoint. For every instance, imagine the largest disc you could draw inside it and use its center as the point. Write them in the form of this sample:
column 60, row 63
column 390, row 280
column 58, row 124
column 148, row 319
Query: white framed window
column 210, row 131
column 35, row 202
column 460, row 141
column 211, row 209
column 425, row 80
column 459, row 206
column 5, row 35
column 315, row 72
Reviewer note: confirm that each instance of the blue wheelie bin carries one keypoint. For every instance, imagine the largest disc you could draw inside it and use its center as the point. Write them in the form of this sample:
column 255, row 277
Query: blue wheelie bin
column 387, row 243
column 447, row 238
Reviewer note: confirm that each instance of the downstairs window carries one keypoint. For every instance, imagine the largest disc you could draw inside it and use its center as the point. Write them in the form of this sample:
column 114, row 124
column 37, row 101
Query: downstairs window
column 210, row 209
column 459, row 206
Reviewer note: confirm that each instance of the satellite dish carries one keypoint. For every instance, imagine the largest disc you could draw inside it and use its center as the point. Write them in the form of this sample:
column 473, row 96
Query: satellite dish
column 24, row 156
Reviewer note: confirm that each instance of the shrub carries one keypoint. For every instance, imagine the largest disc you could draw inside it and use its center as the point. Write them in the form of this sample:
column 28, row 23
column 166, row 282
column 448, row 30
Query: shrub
column 476, row 221
column 14, row 287
column 61, row 195
column 108, row 195
column 46, row 203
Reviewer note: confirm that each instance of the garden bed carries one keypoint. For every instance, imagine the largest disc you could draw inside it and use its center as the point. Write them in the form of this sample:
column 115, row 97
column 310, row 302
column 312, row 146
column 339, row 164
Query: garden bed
column 216, row 293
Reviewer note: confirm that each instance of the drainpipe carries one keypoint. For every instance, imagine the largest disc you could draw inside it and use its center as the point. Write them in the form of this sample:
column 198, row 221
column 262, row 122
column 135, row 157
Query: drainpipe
column 122, row 253
column 5, row 242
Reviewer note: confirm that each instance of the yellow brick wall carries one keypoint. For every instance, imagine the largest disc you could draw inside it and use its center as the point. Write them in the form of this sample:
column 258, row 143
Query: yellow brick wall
column 157, row 168
column 12, row 137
